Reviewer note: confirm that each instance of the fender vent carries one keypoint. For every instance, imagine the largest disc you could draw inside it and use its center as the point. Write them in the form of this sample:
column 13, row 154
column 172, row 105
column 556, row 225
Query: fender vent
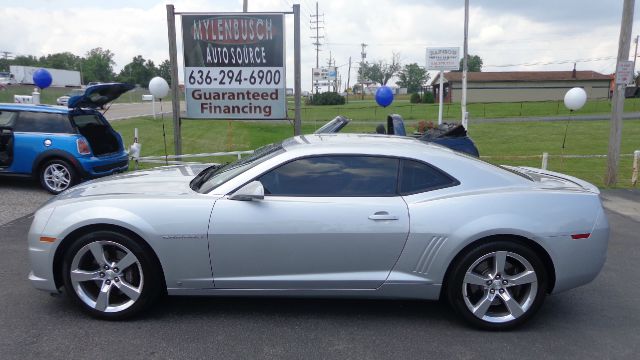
column 429, row 254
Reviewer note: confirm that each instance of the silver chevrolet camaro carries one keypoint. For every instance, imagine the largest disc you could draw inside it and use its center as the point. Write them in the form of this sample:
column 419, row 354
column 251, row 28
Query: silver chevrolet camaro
column 339, row 215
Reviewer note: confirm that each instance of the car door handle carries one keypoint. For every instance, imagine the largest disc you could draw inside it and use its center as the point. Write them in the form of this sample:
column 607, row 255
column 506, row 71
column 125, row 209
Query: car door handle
column 382, row 215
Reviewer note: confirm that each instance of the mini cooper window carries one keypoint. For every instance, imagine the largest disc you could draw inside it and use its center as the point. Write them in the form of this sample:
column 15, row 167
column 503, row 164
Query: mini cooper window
column 43, row 123
column 333, row 176
column 7, row 118
column 418, row 177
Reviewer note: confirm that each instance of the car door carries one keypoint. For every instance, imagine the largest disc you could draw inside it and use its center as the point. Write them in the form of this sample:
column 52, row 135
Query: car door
column 7, row 120
column 326, row 222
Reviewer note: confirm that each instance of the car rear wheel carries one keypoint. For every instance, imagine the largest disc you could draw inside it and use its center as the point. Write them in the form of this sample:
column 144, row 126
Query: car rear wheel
column 57, row 176
column 498, row 285
column 110, row 275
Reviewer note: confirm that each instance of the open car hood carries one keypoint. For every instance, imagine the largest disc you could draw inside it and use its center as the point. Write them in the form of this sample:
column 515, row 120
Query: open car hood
column 96, row 96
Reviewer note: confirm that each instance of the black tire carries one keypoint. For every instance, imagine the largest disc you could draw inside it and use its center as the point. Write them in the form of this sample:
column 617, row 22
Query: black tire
column 498, row 297
column 143, row 275
column 57, row 175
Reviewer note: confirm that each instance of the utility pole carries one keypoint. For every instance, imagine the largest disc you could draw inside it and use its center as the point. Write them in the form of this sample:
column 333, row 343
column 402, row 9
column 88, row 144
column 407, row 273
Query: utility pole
column 245, row 5
column 315, row 25
column 175, row 95
column 6, row 54
column 465, row 64
column 297, row 86
column 635, row 55
column 363, row 56
column 348, row 79
column 331, row 83
column 615, row 133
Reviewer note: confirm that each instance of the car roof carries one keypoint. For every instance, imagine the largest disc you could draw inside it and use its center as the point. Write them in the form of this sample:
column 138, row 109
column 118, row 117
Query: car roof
column 37, row 108
column 359, row 142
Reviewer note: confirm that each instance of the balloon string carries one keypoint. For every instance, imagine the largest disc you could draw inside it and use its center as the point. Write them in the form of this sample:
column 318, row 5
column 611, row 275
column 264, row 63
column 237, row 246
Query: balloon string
column 164, row 136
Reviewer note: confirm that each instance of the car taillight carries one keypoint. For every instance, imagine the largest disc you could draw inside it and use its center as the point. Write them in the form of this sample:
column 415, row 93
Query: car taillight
column 83, row 146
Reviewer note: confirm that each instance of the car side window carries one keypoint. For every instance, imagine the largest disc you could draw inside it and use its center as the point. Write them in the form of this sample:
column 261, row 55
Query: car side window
column 334, row 175
column 43, row 122
column 416, row 177
column 7, row 118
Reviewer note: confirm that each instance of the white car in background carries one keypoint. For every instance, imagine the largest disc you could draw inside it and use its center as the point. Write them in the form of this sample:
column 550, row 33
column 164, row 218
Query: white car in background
column 64, row 99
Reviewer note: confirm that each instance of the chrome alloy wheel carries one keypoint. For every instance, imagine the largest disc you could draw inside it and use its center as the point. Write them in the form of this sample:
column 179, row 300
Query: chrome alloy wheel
column 57, row 177
column 499, row 287
column 106, row 276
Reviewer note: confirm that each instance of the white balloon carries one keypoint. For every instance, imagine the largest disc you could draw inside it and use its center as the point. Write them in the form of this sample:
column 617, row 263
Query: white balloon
column 158, row 87
column 575, row 98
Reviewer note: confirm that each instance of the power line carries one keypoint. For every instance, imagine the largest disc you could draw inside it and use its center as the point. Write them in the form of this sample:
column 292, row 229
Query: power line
column 553, row 62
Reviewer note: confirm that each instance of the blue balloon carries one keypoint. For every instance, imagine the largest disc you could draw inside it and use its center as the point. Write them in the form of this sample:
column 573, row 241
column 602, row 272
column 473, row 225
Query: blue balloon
column 42, row 78
column 384, row 96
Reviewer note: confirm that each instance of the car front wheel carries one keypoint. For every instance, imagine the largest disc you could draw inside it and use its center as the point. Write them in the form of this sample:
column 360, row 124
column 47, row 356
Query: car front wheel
column 498, row 285
column 110, row 275
column 57, row 176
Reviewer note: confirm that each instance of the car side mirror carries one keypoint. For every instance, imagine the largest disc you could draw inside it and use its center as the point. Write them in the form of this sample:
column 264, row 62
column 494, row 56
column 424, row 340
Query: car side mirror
column 251, row 191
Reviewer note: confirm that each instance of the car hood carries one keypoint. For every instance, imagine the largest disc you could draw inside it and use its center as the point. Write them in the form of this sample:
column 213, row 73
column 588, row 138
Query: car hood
column 158, row 182
column 98, row 95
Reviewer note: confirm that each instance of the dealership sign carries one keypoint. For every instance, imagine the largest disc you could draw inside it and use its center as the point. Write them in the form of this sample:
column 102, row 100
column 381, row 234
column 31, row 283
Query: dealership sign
column 447, row 58
column 234, row 66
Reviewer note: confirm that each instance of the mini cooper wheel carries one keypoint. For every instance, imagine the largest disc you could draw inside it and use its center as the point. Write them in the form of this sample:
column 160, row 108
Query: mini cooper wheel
column 498, row 285
column 57, row 176
column 110, row 275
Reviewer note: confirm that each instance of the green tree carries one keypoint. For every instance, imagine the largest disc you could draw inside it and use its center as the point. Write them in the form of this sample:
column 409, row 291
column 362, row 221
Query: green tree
column 164, row 71
column 138, row 71
column 26, row 60
column 412, row 77
column 474, row 63
column 64, row 61
column 380, row 71
column 98, row 65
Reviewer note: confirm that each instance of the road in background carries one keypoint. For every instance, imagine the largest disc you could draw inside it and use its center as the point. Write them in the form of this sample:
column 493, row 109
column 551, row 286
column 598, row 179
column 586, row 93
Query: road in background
column 119, row 111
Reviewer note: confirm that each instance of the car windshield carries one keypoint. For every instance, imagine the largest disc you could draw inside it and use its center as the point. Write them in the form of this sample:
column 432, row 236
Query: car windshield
column 216, row 175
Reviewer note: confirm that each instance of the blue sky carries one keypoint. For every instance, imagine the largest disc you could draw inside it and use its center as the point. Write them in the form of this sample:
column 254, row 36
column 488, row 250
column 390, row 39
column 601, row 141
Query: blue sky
column 507, row 34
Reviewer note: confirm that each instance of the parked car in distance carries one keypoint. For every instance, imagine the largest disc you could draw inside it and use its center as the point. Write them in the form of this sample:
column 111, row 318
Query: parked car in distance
column 64, row 99
column 62, row 146
column 453, row 136
column 329, row 215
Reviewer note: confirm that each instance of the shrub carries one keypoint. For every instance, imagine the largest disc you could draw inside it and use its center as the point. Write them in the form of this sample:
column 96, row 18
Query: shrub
column 327, row 98
column 428, row 98
column 415, row 98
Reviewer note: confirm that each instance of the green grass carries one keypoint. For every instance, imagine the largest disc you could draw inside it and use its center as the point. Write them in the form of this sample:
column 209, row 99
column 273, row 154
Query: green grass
column 502, row 143
column 367, row 110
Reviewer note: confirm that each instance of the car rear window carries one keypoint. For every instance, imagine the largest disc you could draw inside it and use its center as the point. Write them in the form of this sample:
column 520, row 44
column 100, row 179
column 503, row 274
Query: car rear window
column 417, row 177
column 43, row 122
column 87, row 119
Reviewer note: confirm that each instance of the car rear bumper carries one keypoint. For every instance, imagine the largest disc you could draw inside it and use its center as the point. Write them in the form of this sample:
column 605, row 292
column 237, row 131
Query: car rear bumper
column 98, row 166
column 579, row 261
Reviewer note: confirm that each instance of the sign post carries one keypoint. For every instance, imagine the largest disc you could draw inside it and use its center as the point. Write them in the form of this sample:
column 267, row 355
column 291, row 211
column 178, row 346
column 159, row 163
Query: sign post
column 234, row 66
column 441, row 59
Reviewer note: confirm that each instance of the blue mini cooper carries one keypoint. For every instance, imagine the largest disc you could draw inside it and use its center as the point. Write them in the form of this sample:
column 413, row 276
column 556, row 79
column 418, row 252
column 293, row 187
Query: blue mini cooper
column 62, row 145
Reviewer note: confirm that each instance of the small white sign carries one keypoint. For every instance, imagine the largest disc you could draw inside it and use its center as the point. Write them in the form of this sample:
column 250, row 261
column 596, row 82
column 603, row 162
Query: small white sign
column 325, row 73
column 624, row 73
column 447, row 58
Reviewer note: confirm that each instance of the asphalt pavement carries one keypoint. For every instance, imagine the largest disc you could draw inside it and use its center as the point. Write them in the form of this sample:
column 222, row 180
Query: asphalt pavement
column 598, row 321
